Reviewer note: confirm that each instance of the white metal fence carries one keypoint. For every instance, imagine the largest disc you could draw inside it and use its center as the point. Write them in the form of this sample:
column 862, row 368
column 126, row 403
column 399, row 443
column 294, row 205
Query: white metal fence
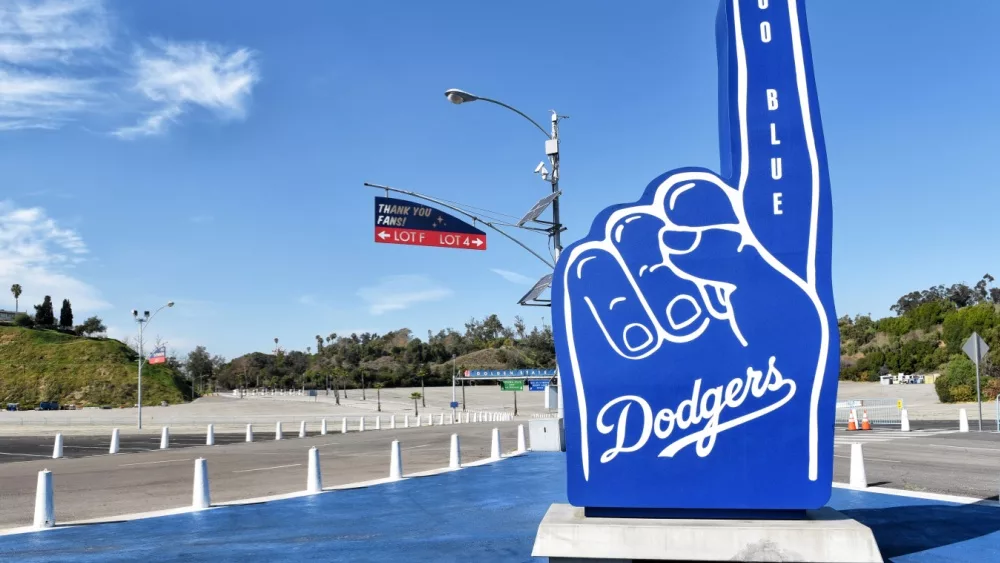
column 880, row 411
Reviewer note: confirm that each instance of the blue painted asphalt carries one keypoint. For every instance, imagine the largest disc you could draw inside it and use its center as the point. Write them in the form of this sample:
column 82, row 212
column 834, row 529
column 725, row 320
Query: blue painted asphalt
column 486, row 513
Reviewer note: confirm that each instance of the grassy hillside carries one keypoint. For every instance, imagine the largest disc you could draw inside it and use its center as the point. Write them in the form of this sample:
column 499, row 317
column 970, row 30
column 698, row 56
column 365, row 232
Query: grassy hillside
column 45, row 365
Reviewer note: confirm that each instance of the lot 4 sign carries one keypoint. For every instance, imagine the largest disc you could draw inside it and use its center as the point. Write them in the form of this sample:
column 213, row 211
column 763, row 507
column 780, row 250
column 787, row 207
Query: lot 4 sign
column 398, row 221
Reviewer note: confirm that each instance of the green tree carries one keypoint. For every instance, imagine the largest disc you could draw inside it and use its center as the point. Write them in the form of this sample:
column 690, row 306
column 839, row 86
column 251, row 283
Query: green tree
column 415, row 396
column 23, row 320
column 66, row 315
column 958, row 382
column 199, row 365
column 44, row 316
column 16, row 290
column 93, row 325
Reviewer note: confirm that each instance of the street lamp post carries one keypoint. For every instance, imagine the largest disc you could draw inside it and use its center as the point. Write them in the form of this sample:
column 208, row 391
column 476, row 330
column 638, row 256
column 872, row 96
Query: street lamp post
column 143, row 321
column 308, row 355
column 456, row 96
column 453, row 373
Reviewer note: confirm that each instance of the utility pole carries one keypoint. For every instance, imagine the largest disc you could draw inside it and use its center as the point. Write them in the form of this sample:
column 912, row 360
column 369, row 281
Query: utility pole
column 143, row 321
column 552, row 150
column 457, row 97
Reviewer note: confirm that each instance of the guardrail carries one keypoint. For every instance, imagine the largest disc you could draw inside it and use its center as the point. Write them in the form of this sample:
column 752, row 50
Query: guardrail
column 880, row 411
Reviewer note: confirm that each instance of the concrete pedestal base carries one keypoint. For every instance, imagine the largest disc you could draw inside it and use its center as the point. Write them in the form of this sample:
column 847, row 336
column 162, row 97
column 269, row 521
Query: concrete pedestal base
column 566, row 535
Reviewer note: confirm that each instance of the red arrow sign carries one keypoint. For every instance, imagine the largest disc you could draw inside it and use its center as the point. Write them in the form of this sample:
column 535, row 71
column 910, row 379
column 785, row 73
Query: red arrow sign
column 418, row 237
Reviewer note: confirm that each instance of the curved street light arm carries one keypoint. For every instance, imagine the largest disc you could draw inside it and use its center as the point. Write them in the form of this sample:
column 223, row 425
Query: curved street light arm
column 463, row 212
column 519, row 112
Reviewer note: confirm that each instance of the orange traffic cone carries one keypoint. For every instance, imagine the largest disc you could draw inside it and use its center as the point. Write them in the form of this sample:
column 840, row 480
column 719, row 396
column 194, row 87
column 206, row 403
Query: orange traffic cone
column 852, row 423
column 864, row 421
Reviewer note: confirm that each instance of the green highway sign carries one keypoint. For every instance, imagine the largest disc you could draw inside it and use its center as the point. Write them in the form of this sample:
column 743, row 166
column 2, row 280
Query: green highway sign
column 507, row 385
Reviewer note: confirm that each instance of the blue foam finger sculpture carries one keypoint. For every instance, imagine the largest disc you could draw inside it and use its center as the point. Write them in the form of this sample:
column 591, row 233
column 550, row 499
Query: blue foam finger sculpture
column 695, row 328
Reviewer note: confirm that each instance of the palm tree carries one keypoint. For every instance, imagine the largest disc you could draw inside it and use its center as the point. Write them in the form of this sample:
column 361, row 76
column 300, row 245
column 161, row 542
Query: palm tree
column 422, row 373
column 378, row 394
column 16, row 290
column 416, row 397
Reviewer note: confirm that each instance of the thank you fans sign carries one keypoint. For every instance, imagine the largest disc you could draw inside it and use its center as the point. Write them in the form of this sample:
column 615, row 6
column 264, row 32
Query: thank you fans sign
column 398, row 221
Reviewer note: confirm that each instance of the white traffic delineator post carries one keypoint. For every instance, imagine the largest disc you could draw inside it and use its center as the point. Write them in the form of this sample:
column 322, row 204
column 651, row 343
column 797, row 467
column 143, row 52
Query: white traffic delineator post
column 302, row 429
column 277, row 431
column 210, row 435
column 343, row 425
column 392, row 422
column 115, row 442
column 466, row 417
column 314, row 479
column 450, row 420
column 430, row 420
column 441, row 419
column 165, row 438
column 361, row 424
column 858, row 478
column 200, row 495
column 406, row 421
column 455, row 459
column 395, row 462
column 45, row 504
column 322, row 427
column 963, row 421
column 378, row 423
column 418, row 421
column 249, row 432
column 495, row 445
column 904, row 421
column 521, row 445
column 57, row 447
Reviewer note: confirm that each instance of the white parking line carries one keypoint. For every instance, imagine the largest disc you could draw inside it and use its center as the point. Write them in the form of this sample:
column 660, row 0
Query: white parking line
column 29, row 455
column 267, row 468
column 870, row 458
column 997, row 450
column 154, row 462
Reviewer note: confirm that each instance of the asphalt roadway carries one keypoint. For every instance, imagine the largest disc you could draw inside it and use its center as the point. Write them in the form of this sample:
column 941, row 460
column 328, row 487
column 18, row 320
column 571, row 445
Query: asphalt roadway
column 89, row 483
column 938, row 460
column 101, row 486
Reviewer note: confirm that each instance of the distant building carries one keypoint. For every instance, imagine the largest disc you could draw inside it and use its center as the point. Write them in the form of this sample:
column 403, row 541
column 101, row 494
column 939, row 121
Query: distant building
column 7, row 316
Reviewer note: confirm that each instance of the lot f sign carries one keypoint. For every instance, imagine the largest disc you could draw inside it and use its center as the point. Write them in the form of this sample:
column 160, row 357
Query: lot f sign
column 696, row 326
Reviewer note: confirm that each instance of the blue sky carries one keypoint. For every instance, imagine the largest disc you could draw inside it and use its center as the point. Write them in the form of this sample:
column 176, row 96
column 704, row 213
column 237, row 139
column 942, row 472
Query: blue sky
column 214, row 156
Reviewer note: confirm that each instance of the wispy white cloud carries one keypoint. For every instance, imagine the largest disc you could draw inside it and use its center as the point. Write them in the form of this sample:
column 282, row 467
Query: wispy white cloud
column 41, row 42
column 176, row 77
column 513, row 277
column 395, row 293
column 52, row 31
column 38, row 254
column 59, row 62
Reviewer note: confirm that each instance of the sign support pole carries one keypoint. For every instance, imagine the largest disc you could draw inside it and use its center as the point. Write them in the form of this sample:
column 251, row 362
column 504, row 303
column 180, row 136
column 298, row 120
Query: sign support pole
column 979, row 398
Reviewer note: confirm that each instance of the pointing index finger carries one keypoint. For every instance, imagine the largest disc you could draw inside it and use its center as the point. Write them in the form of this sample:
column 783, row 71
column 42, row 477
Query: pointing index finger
column 770, row 128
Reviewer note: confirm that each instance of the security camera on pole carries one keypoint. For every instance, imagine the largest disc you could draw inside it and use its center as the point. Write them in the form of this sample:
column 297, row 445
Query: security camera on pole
column 143, row 321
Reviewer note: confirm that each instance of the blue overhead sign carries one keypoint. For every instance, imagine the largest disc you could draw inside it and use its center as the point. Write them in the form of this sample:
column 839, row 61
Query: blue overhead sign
column 696, row 326
column 510, row 373
column 537, row 384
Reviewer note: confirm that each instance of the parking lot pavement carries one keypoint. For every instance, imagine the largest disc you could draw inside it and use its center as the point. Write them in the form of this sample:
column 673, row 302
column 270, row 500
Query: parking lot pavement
column 111, row 485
